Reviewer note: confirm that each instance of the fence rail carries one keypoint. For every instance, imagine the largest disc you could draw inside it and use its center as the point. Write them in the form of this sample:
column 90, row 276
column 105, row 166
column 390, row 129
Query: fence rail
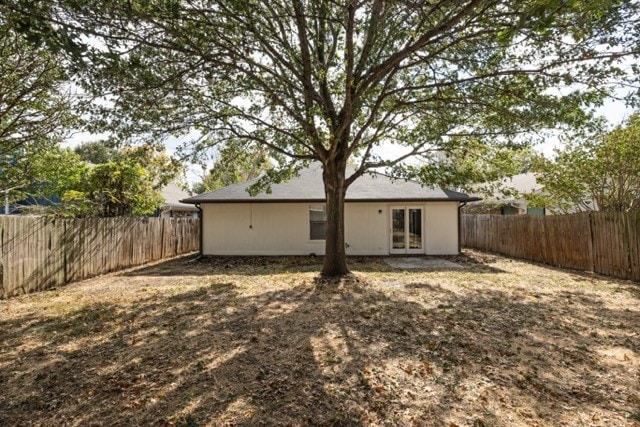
column 603, row 242
column 38, row 253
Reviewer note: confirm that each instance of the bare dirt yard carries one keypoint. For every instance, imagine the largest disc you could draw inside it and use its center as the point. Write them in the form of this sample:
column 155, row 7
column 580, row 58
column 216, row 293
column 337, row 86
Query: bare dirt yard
column 261, row 342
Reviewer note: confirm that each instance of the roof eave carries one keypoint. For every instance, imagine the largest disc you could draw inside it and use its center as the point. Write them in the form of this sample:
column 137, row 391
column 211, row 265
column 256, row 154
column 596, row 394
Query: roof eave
column 415, row 199
column 178, row 206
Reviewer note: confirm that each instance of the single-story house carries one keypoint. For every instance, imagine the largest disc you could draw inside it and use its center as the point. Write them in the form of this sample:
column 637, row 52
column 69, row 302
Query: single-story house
column 382, row 217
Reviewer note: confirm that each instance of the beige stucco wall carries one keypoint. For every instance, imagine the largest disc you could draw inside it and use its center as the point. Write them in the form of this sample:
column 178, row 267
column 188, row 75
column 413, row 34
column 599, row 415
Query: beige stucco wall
column 366, row 230
column 283, row 228
column 441, row 228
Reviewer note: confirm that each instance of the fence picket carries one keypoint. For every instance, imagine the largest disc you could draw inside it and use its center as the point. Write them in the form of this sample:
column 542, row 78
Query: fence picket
column 38, row 253
column 603, row 242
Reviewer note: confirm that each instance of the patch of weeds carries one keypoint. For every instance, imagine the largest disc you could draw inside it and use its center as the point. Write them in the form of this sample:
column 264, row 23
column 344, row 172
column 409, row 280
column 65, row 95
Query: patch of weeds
column 523, row 380
column 331, row 360
column 200, row 366
column 379, row 406
column 182, row 420
column 480, row 422
column 582, row 348
column 635, row 415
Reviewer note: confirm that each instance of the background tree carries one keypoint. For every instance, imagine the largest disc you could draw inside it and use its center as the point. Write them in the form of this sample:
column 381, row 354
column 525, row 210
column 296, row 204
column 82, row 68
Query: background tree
column 234, row 164
column 56, row 172
column 128, row 184
column 153, row 158
column 122, row 188
column 35, row 109
column 473, row 167
column 49, row 176
column 96, row 152
column 600, row 173
column 331, row 81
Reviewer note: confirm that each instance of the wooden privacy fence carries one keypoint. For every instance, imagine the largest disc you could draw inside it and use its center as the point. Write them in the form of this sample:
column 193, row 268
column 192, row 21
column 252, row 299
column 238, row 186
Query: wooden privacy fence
column 603, row 242
column 38, row 253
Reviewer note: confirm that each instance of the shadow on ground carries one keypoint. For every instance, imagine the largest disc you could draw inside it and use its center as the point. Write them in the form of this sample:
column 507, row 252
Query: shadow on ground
column 316, row 353
column 258, row 266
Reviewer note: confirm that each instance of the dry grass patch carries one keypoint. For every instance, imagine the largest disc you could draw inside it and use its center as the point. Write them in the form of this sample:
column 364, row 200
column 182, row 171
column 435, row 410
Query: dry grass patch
column 236, row 341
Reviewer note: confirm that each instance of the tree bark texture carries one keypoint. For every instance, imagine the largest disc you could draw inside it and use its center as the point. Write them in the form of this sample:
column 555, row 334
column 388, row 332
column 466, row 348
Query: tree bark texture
column 335, row 262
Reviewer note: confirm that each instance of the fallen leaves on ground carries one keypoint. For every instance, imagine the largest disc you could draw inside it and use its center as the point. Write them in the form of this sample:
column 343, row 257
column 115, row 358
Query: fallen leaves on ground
column 263, row 341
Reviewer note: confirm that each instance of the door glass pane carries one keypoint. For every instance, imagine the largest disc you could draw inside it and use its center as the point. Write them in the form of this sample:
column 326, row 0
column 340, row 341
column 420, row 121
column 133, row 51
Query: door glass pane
column 415, row 228
column 397, row 217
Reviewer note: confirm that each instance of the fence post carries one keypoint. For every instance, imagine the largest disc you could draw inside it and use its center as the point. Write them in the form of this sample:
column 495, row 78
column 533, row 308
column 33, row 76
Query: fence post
column 2, row 257
column 162, row 222
column 592, row 262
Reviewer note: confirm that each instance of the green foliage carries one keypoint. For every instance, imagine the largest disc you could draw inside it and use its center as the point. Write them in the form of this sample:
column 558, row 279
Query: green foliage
column 57, row 172
column 50, row 174
column 122, row 188
column 472, row 167
column 234, row 164
column 73, row 204
column 333, row 81
column 161, row 168
column 539, row 200
column 96, row 152
column 35, row 110
column 127, row 185
column 600, row 173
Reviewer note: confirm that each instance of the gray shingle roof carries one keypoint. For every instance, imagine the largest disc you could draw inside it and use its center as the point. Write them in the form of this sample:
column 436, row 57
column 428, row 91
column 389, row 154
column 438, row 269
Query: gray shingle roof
column 172, row 195
column 308, row 187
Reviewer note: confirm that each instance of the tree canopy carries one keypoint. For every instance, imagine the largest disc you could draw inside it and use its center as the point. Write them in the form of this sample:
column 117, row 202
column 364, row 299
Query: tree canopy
column 233, row 164
column 473, row 167
column 128, row 183
column 599, row 173
column 332, row 81
column 161, row 167
column 48, row 175
column 35, row 108
column 122, row 187
column 95, row 152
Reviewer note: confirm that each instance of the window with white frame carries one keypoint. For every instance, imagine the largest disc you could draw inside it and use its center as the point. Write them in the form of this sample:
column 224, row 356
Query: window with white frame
column 317, row 222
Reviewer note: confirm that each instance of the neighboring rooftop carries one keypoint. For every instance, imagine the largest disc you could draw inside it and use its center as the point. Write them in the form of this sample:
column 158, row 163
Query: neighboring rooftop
column 523, row 183
column 308, row 187
column 172, row 194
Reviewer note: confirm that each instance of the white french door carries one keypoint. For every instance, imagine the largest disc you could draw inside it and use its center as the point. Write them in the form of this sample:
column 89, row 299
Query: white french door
column 406, row 230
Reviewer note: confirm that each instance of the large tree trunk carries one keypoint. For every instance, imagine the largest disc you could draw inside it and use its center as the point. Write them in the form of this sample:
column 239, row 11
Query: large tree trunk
column 335, row 259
